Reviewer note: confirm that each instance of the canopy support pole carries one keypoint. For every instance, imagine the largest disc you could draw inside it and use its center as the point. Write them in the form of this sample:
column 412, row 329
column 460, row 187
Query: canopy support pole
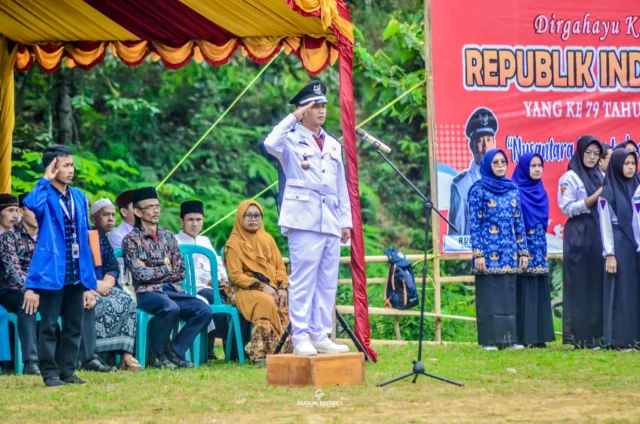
column 7, row 115
column 359, row 277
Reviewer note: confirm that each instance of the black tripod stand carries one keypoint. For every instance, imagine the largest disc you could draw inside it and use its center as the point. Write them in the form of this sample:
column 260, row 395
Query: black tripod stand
column 344, row 328
column 418, row 366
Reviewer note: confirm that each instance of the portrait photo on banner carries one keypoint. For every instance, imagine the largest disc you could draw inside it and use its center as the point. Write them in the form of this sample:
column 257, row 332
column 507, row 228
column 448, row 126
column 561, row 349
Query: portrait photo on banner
column 532, row 81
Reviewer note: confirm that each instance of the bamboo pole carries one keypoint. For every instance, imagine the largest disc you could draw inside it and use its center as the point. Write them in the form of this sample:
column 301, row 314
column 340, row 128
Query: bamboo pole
column 396, row 326
column 390, row 312
column 467, row 256
column 435, row 220
column 384, row 259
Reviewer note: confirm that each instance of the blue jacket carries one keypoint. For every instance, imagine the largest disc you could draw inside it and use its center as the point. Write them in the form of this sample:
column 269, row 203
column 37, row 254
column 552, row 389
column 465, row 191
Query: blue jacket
column 48, row 265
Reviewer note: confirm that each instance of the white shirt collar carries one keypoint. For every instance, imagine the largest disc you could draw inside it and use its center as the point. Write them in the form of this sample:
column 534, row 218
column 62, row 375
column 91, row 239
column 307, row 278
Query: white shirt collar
column 306, row 131
column 186, row 236
column 124, row 227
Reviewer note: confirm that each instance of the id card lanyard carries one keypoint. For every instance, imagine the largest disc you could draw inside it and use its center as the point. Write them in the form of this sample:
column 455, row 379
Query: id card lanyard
column 72, row 217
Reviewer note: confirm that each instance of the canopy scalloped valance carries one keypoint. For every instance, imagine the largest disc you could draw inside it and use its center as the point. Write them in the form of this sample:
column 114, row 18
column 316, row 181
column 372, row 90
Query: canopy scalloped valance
column 173, row 31
column 79, row 33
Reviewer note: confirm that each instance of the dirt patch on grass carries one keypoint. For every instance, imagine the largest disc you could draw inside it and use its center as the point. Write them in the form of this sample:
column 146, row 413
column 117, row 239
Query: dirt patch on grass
column 557, row 385
column 440, row 406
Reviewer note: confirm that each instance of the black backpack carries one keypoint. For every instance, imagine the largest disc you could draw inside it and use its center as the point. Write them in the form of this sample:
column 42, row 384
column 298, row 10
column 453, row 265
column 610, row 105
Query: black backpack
column 401, row 291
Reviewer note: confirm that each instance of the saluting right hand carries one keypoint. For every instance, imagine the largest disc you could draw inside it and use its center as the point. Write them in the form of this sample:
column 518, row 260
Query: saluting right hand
column 299, row 112
column 52, row 170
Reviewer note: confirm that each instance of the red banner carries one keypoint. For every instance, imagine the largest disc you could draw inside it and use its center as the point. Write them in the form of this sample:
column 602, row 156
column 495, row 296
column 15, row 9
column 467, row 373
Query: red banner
column 528, row 76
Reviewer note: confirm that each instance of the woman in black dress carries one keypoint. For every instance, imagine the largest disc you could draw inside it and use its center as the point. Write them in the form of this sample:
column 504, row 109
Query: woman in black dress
column 534, row 318
column 619, row 248
column 499, row 252
column 583, row 264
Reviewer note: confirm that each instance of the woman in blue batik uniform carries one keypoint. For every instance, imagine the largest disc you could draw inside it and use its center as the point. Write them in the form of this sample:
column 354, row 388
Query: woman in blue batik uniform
column 535, row 320
column 499, row 251
column 621, row 293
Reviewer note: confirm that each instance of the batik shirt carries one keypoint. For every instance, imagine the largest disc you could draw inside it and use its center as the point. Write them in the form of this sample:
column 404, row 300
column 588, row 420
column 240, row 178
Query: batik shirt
column 497, row 230
column 16, row 250
column 153, row 251
column 109, row 262
column 537, row 246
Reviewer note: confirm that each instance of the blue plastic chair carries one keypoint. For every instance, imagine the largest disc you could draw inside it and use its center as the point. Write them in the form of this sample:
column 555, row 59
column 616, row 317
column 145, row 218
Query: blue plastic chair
column 4, row 332
column 143, row 319
column 189, row 286
column 17, row 346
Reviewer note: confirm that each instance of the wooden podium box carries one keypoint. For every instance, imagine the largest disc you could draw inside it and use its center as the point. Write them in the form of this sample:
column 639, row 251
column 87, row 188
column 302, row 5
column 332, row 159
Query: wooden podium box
column 346, row 369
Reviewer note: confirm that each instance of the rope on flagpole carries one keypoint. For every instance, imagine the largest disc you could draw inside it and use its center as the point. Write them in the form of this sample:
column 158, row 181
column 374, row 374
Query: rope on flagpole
column 221, row 220
column 237, row 99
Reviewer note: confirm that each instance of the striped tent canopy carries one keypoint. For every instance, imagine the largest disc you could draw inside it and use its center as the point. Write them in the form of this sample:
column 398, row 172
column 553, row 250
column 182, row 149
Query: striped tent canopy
column 80, row 33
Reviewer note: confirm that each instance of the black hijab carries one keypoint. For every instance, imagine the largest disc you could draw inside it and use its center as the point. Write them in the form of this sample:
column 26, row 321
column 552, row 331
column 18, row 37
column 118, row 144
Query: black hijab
column 624, row 144
column 591, row 177
column 619, row 191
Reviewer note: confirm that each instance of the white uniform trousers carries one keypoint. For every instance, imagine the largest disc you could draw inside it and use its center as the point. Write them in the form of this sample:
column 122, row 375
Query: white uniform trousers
column 315, row 261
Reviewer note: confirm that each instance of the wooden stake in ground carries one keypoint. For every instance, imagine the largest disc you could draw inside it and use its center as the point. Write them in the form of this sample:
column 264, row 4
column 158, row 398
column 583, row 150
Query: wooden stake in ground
column 435, row 221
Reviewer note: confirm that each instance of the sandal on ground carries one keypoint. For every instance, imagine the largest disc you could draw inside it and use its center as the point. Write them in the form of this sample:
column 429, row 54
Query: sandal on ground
column 132, row 364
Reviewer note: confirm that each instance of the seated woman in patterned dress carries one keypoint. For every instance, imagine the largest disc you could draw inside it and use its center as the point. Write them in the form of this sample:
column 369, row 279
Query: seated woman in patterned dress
column 114, row 316
column 259, row 281
column 499, row 251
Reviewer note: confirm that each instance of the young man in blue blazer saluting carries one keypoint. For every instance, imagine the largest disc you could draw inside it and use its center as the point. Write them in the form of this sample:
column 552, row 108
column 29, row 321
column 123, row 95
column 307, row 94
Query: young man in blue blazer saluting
column 62, row 272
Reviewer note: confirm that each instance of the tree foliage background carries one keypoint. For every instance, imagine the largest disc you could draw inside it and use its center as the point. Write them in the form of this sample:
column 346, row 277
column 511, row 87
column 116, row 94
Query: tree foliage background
column 129, row 127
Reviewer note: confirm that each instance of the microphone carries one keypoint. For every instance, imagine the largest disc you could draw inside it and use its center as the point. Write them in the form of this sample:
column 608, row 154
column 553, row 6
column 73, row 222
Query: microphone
column 365, row 136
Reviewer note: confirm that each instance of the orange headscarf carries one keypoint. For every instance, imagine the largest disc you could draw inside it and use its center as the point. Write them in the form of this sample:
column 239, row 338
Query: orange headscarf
column 258, row 251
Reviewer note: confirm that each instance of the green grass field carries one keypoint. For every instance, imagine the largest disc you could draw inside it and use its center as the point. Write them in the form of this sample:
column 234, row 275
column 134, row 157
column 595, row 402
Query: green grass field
column 553, row 385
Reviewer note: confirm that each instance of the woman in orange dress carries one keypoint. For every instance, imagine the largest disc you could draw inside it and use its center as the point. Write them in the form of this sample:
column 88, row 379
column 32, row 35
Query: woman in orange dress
column 259, row 281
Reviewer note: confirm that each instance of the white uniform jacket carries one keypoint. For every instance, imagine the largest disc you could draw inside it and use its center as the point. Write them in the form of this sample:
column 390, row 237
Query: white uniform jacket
column 572, row 195
column 636, row 216
column 315, row 199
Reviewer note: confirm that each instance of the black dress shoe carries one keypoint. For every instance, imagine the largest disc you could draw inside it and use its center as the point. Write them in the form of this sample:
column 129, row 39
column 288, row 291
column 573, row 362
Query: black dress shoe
column 173, row 356
column 97, row 366
column 73, row 379
column 53, row 382
column 31, row 368
column 161, row 362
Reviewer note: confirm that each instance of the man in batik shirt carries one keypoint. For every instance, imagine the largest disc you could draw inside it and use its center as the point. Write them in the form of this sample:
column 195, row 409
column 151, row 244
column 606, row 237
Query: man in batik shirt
column 157, row 269
column 16, row 249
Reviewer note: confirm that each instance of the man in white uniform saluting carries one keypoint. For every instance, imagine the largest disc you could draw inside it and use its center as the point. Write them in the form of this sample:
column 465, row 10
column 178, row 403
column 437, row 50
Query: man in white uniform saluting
column 315, row 216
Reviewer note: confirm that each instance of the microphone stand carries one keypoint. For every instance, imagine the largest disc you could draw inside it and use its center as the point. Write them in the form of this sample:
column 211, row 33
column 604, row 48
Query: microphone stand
column 428, row 206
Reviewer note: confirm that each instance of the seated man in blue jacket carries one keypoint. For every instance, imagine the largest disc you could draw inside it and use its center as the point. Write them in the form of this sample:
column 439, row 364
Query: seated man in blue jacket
column 62, row 272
